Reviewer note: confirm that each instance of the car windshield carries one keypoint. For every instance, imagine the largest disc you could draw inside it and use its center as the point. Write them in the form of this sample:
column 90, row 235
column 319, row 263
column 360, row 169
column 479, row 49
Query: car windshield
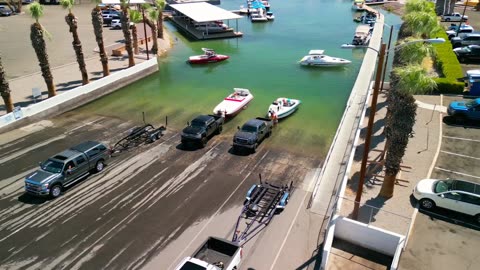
column 248, row 128
column 52, row 166
column 442, row 186
column 471, row 104
column 197, row 123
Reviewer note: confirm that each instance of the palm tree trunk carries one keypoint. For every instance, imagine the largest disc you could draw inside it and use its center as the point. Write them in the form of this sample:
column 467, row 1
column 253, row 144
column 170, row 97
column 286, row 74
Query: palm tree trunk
column 153, row 28
column 97, row 21
column 77, row 46
column 5, row 89
column 128, row 37
column 135, row 38
column 38, row 43
column 399, row 128
column 160, row 24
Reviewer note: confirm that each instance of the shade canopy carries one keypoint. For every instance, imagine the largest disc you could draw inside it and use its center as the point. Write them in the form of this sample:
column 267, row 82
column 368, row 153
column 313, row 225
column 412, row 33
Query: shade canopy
column 204, row 12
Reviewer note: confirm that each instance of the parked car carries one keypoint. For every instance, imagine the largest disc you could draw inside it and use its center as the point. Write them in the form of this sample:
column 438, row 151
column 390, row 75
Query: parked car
column 116, row 24
column 252, row 133
column 109, row 15
column 5, row 11
column 454, row 17
column 66, row 168
column 467, row 39
column 469, row 53
column 463, row 110
column 49, row 2
column 457, row 195
column 453, row 30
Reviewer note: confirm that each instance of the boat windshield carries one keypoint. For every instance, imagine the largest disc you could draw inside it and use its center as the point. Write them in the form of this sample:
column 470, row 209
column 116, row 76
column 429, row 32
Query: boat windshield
column 442, row 186
column 52, row 166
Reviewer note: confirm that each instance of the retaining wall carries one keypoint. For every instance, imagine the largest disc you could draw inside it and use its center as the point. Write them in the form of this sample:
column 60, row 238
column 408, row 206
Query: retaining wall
column 76, row 97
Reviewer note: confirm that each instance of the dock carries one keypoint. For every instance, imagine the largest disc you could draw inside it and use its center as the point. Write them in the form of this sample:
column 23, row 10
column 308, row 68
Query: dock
column 188, row 28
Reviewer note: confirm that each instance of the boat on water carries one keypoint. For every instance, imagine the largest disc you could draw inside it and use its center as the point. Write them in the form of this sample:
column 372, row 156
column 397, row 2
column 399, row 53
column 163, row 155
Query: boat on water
column 259, row 17
column 362, row 35
column 270, row 16
column 234, row 103
column 282, row 107
column 317, row 58
column 358, row 5
column 209, row 56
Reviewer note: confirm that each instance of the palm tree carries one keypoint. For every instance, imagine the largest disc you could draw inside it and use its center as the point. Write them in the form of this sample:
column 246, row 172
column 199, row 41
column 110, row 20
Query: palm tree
column 135, row 17
column 97, row 21
column 37, row 33
column 151, row 20
column 405, row 81
column 420, row 24
column 77, row 45
column 5, row 89
column 419, row 6
column 125, row 20
column 160, row 7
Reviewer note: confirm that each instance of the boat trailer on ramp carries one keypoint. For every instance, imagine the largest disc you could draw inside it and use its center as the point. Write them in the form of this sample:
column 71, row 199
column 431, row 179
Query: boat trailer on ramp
column 262, row 203
column 138, row 135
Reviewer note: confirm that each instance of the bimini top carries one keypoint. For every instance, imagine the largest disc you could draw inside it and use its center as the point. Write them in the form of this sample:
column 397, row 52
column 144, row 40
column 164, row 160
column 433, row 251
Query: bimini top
column 316, row 52
column 204, row 12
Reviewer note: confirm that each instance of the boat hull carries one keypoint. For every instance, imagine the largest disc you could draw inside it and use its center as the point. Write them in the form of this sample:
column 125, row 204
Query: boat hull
column 201, row 59
column 283, row 111
column 234, row 103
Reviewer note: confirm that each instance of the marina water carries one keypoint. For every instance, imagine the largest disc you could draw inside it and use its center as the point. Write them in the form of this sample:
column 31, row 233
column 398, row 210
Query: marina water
column 264, row 60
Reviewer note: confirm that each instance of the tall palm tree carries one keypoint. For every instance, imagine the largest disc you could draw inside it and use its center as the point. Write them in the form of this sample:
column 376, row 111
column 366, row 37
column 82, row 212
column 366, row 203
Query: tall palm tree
column 97, row 22
column 135, row 17
column 37, row 33
column 151, row 20
column 419, row 6
column 125, row 20
column 77, row 45
column 421, row 24
column 5, row 89
column 406, row 81
column 160, row 7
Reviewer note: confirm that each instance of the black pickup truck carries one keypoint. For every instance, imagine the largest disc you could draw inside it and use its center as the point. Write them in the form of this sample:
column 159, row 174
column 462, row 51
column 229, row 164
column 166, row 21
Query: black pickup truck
column 252, row 133
column 201, row 129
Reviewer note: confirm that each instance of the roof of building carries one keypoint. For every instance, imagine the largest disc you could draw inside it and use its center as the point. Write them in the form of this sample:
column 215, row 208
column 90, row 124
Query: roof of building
column 204, row 12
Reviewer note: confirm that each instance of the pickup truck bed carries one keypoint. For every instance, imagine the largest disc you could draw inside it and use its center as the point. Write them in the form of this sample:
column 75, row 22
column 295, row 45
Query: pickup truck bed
column 215, row 250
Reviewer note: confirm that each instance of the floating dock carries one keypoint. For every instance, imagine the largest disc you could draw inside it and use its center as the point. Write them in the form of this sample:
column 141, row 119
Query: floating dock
column 186, row 27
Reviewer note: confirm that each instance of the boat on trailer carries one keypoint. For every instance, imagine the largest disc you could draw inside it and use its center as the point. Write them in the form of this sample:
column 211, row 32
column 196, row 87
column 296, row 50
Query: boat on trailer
column 234, row 103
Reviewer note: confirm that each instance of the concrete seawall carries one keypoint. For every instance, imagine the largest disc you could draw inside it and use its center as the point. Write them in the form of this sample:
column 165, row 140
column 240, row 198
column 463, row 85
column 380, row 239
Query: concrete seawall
column 76, row 97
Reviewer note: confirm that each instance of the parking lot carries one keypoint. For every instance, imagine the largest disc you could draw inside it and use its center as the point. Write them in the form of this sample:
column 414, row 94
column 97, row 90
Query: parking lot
column 443, row 239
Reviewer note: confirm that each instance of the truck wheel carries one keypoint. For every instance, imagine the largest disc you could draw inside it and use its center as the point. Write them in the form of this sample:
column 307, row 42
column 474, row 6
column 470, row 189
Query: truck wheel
column 460, row 119
column 254, row 149
column 55, row 191
column 268, row 134
column 461, row 59
column 447, row 19
column 219, row 130
column 203, row 142
column 99, row 166
column 477, row 218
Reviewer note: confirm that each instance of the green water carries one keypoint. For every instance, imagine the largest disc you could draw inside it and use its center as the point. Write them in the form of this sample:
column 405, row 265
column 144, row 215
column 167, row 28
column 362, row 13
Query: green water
column 264, row 60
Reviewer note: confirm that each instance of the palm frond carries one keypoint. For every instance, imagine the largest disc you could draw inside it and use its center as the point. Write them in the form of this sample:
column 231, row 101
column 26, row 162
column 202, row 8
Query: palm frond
column 67, row 4
column 419, row 6
column 413, row 79
column 135, row 16
column 35, row 10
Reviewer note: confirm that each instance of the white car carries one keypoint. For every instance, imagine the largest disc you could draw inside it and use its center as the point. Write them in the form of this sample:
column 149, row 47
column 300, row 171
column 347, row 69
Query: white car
column 457, row 195
column 116, row 24
column 452, row 30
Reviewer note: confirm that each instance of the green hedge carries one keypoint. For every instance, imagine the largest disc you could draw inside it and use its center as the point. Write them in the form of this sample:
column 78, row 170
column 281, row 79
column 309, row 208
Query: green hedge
column 447, row 63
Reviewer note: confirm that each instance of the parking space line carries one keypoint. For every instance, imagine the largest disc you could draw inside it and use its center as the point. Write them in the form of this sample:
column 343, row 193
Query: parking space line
column 459, row 173
column 459, row 155
column 461, row 139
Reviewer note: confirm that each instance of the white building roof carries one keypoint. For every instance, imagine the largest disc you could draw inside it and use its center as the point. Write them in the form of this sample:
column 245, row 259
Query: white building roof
column 204, row 12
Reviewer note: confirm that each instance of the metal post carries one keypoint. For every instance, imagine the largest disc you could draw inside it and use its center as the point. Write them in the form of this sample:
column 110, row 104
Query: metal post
column 461, row 19
column 386, row 57
column 368, row 137
column 145, row 32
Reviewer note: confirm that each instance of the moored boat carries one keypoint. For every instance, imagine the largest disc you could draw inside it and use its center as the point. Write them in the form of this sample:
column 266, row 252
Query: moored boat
column 270, row 16
column 358, row 5
column 234, row 102
column 208, row 57
column 282, row 107
column 317, row 58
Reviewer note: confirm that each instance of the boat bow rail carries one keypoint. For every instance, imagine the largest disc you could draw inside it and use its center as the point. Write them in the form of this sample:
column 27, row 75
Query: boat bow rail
column 262, row 202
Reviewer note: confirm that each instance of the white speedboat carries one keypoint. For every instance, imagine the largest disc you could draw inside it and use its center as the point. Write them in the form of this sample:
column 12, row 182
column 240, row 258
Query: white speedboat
column 358, row 5
column 259, row 17
column 234, row 102
column 270, row 16
column 282, row 107
column 317, row 58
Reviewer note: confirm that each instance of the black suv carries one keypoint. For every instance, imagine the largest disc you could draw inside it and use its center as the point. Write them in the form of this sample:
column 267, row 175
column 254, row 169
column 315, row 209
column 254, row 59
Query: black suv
column 467, row 39
column 468, row 54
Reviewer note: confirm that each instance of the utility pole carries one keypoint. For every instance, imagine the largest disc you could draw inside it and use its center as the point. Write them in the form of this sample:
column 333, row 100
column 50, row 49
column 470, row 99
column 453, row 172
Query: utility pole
column 368, row 137
column 461, row 19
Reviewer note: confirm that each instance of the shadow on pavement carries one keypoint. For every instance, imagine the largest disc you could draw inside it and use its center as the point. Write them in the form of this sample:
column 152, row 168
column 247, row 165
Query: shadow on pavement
column 449, row 120
column 29, row 199
column 315, row 261
column 451, row 217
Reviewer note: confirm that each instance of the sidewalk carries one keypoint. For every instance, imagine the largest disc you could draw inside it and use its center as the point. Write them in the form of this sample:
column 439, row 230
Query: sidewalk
column 68, row 76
